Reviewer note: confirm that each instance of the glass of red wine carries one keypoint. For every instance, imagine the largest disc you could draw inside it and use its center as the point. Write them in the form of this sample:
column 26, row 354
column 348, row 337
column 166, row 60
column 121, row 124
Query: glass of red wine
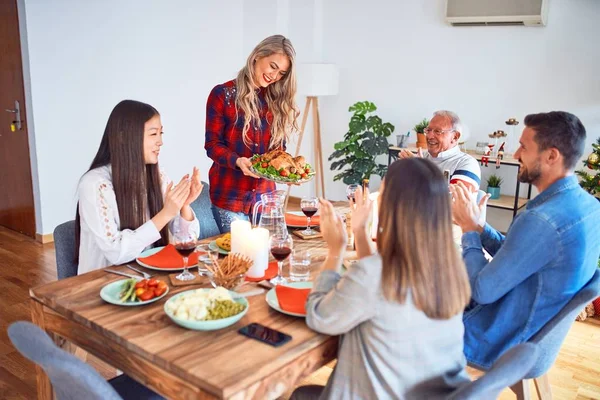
column 185, row 245
column 310, row 206
column 281, row 247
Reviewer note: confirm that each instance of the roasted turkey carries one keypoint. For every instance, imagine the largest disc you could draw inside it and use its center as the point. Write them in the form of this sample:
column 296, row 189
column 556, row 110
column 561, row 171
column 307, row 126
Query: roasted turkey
column 279, row 159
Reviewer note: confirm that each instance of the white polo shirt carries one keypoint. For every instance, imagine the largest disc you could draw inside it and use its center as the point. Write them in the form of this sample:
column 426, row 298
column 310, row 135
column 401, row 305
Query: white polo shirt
column 462, row 166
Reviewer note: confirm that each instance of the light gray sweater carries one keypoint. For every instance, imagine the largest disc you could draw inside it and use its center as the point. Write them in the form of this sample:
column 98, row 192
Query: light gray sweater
column 387, row 350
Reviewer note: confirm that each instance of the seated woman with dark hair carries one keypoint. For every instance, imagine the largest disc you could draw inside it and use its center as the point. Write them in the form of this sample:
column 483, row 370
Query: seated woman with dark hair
column 398, row 311
column 126, row 203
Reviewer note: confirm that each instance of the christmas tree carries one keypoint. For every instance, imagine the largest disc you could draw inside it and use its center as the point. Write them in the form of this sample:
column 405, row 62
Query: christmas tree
column 590, row 181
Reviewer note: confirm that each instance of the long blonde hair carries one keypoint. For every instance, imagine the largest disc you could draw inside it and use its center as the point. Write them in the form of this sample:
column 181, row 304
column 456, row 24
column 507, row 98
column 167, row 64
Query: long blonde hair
column 415, row 241
column 280, row 95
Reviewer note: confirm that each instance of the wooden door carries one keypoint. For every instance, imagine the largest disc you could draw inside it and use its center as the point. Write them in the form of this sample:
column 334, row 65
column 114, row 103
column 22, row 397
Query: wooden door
column 16, row 189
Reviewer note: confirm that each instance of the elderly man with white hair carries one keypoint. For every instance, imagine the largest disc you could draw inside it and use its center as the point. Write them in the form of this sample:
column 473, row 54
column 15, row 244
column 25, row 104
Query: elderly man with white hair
column 443, row 133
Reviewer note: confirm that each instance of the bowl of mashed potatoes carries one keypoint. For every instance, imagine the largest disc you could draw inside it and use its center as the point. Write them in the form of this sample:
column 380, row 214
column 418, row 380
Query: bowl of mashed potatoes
column 206, row 309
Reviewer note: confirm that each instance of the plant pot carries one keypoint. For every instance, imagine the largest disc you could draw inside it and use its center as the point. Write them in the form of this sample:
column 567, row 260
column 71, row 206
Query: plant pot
column 421, row 141
column 494, row 191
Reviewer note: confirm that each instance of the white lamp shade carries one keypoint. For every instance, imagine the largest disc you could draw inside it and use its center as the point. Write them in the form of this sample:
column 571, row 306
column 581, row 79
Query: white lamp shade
column 317, row 79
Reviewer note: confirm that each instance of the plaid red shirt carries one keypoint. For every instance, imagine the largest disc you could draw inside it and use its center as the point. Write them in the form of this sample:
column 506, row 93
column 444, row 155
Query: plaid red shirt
column 230, row 189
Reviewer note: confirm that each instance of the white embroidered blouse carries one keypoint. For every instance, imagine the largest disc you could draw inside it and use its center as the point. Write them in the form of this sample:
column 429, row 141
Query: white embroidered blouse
column 102, row 242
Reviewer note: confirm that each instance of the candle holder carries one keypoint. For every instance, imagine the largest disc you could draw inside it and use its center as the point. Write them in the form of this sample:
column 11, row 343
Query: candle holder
column 496, row 135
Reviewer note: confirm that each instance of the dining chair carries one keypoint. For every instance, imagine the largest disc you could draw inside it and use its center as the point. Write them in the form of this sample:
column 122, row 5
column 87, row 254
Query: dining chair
column 64, row 245
column 506, row 371
column 71, row 378
column 550, row 338
column 202, row 206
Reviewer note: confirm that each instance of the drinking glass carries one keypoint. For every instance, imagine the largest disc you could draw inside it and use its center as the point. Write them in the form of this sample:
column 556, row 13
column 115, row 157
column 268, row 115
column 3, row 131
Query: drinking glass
column 206, row 254
column 185, row 244
column 300, row 265
column 281, row 246
column 350, row 190
column 310, row 206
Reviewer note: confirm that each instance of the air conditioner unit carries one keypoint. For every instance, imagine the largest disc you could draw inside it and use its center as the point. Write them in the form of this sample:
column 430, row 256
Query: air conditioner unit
column 497, row 12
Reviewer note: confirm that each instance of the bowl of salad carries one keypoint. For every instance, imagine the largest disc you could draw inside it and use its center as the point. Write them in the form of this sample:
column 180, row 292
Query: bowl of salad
column 206, row 309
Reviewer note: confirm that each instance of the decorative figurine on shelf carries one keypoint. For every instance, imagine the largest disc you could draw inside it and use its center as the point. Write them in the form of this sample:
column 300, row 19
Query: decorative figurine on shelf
column 485, row 158
column 500, row 155
column 496, row 135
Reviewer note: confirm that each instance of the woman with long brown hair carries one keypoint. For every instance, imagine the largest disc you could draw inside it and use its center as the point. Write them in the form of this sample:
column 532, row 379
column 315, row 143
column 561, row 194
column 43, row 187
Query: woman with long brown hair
column 126, row 203
column 252, row 114
column 399, row 311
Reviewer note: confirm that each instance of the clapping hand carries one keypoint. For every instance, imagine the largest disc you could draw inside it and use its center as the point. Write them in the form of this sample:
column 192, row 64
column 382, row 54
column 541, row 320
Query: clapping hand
column 176, row 196
column 361, row 212
column 405, row 153
column 466, row 213
column 333, row 228
column 195, row 187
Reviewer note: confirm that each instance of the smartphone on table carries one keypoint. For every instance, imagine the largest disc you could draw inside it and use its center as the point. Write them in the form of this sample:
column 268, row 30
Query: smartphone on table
column 265, row 334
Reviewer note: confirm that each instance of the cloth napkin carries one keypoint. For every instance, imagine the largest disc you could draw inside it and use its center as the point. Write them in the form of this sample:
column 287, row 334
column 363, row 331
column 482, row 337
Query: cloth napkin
column 168, row 257
column 270, row 273
column 292, row 299
column 300, row 220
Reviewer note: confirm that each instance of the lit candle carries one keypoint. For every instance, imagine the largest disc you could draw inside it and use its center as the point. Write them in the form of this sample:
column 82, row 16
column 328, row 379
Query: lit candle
column 257, row 249
column 240, row 233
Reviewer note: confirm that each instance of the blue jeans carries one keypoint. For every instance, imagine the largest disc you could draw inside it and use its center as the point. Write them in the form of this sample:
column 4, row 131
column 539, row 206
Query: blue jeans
column 225, row 217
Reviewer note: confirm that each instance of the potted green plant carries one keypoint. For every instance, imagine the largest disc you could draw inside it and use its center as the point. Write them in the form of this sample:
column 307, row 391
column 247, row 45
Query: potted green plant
column 366, row 139
column 420, row 130
column 493, row 186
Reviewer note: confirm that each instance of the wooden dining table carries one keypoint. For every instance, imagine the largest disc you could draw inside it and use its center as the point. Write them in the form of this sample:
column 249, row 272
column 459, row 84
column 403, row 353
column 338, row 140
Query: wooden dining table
column 176, row 362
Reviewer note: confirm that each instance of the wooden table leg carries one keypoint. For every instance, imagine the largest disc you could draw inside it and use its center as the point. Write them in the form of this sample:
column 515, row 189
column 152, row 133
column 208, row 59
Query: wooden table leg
column 44, row 387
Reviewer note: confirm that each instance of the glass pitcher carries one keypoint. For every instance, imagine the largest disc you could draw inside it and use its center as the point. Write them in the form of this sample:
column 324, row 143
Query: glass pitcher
column 272, row 216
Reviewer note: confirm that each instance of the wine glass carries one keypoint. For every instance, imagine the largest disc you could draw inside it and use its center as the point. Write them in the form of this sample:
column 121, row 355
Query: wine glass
column 281, row 246
column 310, row 206
column 350, row 191
column 185, row 244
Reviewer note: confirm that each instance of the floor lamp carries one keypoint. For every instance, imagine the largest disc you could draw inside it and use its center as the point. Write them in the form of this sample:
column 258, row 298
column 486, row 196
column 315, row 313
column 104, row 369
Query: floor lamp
column 314, row 81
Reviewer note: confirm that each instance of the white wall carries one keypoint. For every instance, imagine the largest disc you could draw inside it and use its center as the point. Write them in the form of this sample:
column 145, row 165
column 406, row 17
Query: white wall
column 87, row 56
column 35, row 179
column 405, row 58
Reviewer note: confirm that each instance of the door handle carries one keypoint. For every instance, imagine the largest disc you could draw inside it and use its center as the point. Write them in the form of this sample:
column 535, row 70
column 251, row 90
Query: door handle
column 17, row 123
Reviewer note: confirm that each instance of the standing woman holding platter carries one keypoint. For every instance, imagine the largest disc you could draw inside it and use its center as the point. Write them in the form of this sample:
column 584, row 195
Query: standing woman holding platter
column 252, row 114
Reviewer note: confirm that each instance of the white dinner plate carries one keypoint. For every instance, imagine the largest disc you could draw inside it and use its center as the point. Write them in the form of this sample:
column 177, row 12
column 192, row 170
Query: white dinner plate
column 274, row 303
column 154, row 250
column 300, row 213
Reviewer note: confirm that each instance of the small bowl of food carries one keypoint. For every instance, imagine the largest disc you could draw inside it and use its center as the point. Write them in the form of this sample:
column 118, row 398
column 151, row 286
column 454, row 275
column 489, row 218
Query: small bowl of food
column 206, row 309
column 231, row 282
column 230, row 272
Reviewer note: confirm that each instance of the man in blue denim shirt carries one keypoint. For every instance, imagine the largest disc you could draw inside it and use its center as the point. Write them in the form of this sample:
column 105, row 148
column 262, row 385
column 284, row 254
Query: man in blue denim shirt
column 550, row 250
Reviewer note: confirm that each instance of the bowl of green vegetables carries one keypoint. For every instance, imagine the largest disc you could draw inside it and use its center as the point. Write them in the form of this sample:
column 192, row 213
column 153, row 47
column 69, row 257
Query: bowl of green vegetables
column 206, row 309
